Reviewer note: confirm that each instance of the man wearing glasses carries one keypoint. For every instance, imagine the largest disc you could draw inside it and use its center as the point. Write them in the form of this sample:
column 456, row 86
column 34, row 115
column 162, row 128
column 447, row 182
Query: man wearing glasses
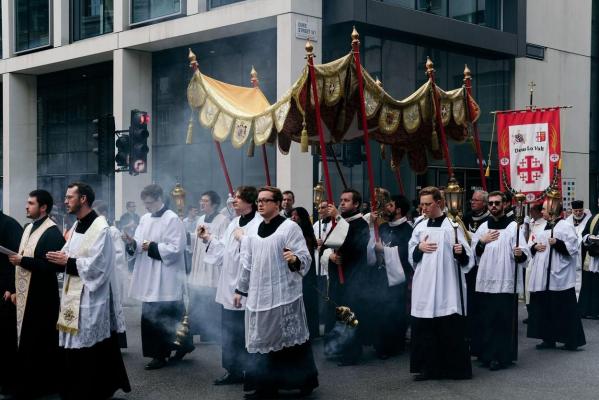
column 273, row 263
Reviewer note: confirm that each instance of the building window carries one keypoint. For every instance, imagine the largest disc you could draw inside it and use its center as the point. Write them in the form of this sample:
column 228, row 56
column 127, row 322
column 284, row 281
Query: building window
column 144, row 11
column 32, row 24
column 218, row 3
column 91, row 18
column 535, row 51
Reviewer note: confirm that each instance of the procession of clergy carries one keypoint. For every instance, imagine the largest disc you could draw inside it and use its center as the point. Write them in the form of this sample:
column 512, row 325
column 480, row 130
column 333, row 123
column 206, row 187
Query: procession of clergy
column 254, row 284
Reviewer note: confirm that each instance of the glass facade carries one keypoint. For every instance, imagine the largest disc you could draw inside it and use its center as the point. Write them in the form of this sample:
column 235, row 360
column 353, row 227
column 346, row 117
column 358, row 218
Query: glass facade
column 218, row 3
column 400, row 66
column 480, row 12
column 149, row 10
column 67, row 103
column 594, row 120
column 197, row 165
column 91, row 18
column 32, row 24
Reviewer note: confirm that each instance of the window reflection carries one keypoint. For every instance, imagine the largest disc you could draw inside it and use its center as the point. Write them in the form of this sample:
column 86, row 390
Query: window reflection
column 92, row 18
column 32, row 24
column 148, row 10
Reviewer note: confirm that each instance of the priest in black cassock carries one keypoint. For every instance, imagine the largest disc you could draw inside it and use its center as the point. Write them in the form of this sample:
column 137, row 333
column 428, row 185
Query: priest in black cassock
column 500, row 261
column 344, row 254
column 393, row 295
column 10, row 235
column 588, row 301
column 37, row 300
column 439, row 348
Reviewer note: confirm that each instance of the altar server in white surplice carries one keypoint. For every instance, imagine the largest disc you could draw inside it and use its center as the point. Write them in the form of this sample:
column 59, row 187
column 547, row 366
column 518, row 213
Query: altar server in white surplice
column 273, row 264
column 439, row 348
column 158, row 277
column 494, row 244
column 553, row 314
column 90, row 315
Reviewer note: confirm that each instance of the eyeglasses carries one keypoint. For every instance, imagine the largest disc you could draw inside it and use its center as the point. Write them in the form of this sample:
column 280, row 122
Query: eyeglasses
column 263, row 201
column 495, row 203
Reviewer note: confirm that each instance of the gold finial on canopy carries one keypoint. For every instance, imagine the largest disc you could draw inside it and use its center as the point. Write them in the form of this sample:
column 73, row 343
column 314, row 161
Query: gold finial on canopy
column 355, row 36
column 429, row 66
column 378, row 82
column 309, row 48
column 193, row 61
column 467, row 73
column 253, row 75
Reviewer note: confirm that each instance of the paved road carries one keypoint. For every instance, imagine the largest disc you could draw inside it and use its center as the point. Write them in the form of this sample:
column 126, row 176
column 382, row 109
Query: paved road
column 542, row 375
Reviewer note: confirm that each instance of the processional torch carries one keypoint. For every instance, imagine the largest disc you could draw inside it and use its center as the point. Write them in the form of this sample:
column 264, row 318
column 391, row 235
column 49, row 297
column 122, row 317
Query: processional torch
column 454, row 195
column 182, row 333
column 553, row 203
column 520, row 199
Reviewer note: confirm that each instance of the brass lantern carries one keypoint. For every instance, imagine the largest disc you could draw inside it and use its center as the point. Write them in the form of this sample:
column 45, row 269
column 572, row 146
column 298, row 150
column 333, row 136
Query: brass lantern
column 382, row 197
column 454, row 198
column 178, row 196
column 553, row 203
column 318, row 194
column 520, row 199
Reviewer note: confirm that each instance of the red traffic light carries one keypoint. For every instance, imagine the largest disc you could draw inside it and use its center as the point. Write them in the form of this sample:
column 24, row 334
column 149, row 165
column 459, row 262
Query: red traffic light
column 144, row 119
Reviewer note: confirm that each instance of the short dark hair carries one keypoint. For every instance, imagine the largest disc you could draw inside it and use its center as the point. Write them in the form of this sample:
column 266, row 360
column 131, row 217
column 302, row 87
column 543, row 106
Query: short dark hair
column 154, row 191
column 402, row 203
column 130, row 204
column 537, row 207
column 83, row 189
column 249, row 194
column 214, row 197
column 355, row 195
column 431, row 190
column 289, row 192
column 277, row 196
column 497, row 193
column 44, row 198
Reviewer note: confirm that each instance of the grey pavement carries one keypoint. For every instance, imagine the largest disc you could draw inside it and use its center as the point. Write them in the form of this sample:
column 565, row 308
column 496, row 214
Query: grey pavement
column 543, row 375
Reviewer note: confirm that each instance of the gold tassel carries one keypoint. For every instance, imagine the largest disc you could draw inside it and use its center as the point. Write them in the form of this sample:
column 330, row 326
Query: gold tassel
column 189, row 130
column 251, row 147
column 383, row 152
column 304, row 138
column 488, row 171
column 434, row 141
column 559, row 164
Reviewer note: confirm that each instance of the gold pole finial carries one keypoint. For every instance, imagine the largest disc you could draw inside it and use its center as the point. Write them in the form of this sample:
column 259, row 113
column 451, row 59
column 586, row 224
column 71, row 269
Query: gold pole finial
column 378, row 82
column 309, row 48
column 253, row 75
column 429, row 66
column 193, row 61
column 467, row 73
column 355, row 36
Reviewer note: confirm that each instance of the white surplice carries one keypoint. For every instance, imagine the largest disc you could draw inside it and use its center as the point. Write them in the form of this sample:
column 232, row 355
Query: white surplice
column 321, row 231
column 100, row 311
column 435, row 290
column 204, row 273
column 159, row 280
column 275, row 313
column 121, row 267
column 226, row 252
column 563, row 268
column 496, row 265
column 579, row 228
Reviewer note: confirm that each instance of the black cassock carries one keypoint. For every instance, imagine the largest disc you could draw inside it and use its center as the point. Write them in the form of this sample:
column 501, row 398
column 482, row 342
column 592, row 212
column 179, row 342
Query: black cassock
column 356, row 292
column 37, row 355
column 10, row 237
column 391, row 304
column 588, row 301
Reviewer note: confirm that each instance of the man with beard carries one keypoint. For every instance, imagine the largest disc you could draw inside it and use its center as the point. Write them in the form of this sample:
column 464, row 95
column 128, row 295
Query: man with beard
column 392, row 256
column 203, row 279
column 553, row 313
column 494, row 244
column 10, row 234
column 225, row 252
column 158, row 276
column 89, row 317
column 37, row 300
column 273, row 263
column 344, row 255
column 439, row 348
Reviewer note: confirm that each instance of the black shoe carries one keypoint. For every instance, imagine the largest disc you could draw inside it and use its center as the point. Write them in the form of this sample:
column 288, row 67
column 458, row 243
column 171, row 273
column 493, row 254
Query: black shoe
column 261, row 394
column 569, row 347
column 305, row 392
column 156, row 363
column 421, row 377
column 346, row 363
column 545, row 345
column 228, row 379
column 495, row 366
column 525, row 321
column 180, row 353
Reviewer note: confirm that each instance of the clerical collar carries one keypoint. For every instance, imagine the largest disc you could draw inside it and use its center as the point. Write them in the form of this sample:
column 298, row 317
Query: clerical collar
column 244, row 219
column 436, row 222
column 210, row 218
column 36, row 224
column 268, row 228
column 398, row 222
column 84, row 223
column 159, row 213
column 480, row 216
column 499, row 223
column 350, row 216
column 326, row 220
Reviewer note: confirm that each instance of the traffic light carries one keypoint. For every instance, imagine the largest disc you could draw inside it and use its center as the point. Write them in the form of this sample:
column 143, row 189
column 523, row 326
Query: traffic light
column 138, row 140
column 103, row 132
column 123, row 150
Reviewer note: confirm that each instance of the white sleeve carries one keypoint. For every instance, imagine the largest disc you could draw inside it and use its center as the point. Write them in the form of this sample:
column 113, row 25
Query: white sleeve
column 297, row 244
column 245, row 259
column 95, row 269
column 174, row 243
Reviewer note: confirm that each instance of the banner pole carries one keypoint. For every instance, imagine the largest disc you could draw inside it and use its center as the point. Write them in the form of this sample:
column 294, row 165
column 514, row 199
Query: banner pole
column 474, row 124
column 256, row 84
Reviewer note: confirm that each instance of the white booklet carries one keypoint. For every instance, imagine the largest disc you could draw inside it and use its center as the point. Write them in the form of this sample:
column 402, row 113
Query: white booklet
column 6, row 251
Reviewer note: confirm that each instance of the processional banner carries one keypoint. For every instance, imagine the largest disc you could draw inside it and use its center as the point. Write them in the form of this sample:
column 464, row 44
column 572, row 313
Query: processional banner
column 529, row 151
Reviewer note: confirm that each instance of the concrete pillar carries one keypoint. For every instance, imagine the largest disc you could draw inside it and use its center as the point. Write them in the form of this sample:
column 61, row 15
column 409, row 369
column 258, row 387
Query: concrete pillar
column 19, row 160
column 132, row 89
column 61, row 23
column 121, row 15
column 7, row 28
column 294, row 171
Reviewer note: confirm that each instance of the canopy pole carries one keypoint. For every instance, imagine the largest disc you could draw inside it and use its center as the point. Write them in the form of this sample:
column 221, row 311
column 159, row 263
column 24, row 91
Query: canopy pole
column 356, row 51
column 193, row 64
column 339, row 171
column 256, row 84
column 430, row 71
column 397, row 173
column 476, row 136
column 323, row 147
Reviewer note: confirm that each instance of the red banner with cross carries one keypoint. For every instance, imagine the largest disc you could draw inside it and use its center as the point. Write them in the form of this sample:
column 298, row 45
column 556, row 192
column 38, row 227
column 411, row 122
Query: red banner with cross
column 529, row 150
